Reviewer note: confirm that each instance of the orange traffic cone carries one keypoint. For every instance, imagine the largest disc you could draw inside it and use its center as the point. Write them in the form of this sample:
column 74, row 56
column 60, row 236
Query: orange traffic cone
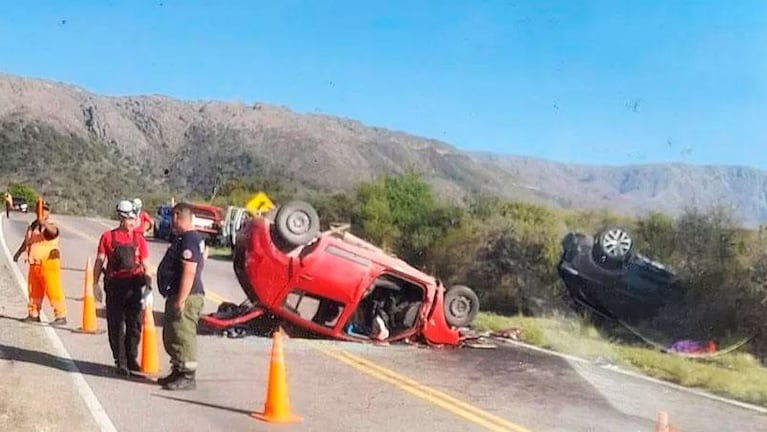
column 150, row 361
column 89, row 302
column 277, row 406
column 662, row 424
column 39, row 207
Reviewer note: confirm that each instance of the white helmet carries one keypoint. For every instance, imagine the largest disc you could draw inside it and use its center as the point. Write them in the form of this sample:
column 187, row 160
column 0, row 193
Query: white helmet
column 125, row 210
column 137, row 204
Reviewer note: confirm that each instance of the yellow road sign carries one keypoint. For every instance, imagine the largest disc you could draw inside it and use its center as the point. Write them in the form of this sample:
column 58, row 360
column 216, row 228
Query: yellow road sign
column 259, row 203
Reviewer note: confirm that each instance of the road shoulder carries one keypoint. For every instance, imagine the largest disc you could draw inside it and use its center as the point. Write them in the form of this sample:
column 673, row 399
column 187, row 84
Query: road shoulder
column 37, row 389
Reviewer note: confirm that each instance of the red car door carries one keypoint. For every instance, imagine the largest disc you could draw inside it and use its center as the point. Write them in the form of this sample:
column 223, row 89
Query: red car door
column 326, row 283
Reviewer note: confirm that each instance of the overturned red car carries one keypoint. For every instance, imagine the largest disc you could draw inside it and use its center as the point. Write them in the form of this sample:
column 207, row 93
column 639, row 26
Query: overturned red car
column 337, row 285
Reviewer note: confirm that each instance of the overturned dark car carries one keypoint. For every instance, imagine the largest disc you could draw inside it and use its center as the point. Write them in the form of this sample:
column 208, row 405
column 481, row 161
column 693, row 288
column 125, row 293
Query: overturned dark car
column 606, row 274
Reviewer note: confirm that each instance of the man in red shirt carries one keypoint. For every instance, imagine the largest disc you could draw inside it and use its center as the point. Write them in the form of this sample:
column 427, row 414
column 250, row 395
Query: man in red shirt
column 125, row 276
column 144, row 223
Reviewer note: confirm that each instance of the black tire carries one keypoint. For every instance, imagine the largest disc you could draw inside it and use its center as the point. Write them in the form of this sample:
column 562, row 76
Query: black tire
column 236, row 332
column 461, row 306
column 297, row 223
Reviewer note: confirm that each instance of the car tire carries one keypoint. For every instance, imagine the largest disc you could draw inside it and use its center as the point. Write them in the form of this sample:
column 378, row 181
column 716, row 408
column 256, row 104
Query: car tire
column 613, row 244
column 297, row 223
column 461, row 306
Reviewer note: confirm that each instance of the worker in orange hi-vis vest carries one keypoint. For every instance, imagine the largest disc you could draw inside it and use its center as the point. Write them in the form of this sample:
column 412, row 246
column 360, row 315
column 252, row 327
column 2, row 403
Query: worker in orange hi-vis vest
column 8, row 204
column 41, row 244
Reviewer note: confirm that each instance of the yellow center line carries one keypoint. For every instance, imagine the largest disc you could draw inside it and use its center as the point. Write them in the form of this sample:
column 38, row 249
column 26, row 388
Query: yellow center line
column 461, row 409
column 437, row 393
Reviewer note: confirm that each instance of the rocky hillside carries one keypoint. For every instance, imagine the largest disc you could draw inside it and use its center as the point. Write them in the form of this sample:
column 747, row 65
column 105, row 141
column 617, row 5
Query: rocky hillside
column 87, row 148
column 640, row 188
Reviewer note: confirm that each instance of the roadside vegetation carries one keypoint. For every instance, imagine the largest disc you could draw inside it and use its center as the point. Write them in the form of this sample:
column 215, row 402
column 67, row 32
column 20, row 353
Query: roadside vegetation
column 508, row 253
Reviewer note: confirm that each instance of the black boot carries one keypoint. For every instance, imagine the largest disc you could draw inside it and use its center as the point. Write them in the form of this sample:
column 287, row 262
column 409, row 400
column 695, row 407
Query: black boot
column 172, row 376
column 120, row 369
column 185, row 381
column 59, row 321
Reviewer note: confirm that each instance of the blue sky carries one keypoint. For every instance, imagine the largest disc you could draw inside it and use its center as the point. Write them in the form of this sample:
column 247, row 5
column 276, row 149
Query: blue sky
column 609, row 82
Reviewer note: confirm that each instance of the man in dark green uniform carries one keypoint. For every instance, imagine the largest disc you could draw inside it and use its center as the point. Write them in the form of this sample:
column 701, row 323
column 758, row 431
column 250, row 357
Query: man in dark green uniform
column 179, row 280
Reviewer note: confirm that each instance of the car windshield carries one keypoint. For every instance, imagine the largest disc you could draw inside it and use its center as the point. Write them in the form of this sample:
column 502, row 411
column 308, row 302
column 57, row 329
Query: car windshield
column 508, row 215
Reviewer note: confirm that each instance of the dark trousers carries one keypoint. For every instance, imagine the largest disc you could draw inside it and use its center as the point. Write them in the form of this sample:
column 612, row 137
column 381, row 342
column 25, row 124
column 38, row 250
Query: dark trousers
column 124, row 308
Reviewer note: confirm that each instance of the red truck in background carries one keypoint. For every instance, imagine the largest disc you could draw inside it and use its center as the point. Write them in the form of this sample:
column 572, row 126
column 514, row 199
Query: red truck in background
column 207, row 219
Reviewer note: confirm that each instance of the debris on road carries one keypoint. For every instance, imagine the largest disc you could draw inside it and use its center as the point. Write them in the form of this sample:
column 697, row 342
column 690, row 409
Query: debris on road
column 512, row 333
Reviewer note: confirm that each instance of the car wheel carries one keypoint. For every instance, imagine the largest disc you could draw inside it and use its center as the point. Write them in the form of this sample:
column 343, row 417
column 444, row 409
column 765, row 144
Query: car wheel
column 236, row 332
column 297, row 223
column 614, row 243
column 461, row 306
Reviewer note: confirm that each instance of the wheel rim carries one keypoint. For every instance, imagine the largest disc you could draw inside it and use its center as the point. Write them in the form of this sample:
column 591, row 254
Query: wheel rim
column 298, row 223
column 616, row 243
column 459, row 307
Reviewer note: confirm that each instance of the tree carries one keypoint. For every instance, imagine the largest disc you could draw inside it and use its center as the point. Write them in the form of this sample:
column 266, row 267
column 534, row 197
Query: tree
column 656, row 235
column 337, row 207
column 23, row 191
column 402, row 213
column 718, row 277
column 373, row 218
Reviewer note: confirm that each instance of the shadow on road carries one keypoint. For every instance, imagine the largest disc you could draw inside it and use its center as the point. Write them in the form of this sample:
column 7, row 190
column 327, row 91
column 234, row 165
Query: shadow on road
column 49, row 360
column 205, row 404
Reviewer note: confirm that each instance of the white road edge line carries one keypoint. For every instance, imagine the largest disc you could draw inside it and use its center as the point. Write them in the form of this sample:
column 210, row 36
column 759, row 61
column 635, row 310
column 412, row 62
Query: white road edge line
column 616, row 369
column 100, row 415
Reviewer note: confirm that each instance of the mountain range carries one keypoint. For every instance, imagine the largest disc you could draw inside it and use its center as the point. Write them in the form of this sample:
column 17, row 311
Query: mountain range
column 84, row 149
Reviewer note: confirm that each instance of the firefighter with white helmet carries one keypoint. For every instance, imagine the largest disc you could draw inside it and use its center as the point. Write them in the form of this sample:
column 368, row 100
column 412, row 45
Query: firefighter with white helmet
column 144, row 222
column 126, row 275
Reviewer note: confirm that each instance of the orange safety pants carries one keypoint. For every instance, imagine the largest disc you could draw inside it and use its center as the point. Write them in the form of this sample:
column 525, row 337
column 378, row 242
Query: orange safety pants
column 45, row 280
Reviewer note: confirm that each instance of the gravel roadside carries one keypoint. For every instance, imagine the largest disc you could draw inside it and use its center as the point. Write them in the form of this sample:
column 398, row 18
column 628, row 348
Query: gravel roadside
column 37, row 392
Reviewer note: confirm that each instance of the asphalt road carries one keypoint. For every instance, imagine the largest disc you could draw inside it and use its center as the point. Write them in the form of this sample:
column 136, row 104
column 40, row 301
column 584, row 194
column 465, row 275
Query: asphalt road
column 343, row 386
